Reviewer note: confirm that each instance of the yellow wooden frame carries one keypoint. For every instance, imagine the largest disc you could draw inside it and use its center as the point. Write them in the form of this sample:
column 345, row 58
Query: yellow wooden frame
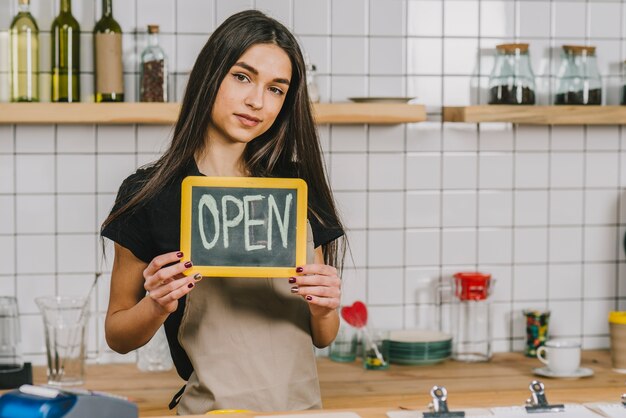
column 245, row 182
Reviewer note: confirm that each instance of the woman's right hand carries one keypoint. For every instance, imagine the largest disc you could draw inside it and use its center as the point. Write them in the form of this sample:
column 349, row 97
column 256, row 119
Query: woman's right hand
column 165, row 285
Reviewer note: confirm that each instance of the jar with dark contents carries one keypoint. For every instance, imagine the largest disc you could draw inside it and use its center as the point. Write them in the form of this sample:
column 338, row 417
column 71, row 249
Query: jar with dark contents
column 578, row 81
column 153, row 70
column 512, row 81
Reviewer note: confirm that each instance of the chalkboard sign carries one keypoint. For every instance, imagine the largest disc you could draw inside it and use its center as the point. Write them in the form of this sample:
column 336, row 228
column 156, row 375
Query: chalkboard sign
column 244, row 226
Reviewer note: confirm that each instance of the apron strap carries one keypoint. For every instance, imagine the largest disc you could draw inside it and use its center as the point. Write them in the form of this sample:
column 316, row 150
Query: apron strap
column 176, row 399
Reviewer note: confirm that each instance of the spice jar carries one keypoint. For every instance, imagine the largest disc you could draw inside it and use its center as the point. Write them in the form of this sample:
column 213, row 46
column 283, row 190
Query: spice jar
column 153, row 71
column 512, row 80
column 578, row 81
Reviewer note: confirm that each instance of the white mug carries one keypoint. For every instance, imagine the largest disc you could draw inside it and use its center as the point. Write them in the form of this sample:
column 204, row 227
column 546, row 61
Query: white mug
column 563, row 356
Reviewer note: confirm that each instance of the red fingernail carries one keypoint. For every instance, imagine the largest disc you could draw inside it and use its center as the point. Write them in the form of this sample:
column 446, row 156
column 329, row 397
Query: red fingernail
column 294, row 289
column 188, row 264
column 179, row 254
column 299, row 270
column 292, row 280
column 190, row 285
column 309, row 297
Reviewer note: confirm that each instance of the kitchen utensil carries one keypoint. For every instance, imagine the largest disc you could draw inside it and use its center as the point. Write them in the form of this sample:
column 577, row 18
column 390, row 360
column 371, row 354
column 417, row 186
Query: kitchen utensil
column 356, row 315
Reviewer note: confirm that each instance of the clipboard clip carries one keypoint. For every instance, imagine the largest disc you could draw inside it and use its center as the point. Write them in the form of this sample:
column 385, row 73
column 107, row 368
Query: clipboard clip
column 538, row 403
column 439, row 405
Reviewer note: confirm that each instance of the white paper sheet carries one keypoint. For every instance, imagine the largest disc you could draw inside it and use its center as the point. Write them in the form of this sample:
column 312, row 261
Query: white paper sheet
column 474, row 413
column 610, row 410
column 571, row 411
column 316, row 415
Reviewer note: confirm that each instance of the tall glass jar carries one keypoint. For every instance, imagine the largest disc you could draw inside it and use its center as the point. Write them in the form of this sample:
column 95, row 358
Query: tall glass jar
column 579, row 81
column 512, row 80
column 153, row 71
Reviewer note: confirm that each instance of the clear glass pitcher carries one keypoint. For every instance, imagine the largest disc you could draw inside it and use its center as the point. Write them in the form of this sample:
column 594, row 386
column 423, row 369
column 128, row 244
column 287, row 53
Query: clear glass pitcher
column 65, row 326
column 470, row 317
column 10, row 339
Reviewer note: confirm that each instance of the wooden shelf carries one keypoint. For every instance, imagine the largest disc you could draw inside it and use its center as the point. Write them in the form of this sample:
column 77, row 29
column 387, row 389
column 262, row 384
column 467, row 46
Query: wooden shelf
column 538, row 115
column 167, row 113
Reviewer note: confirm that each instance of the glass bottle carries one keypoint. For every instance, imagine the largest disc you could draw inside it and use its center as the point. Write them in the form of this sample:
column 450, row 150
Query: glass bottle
column 65, row 56
column 109, row 74
column 24, row 55
column 623, row 102
column 311, row 80
column 579, row 81
column 153, row 71
column 512, row 80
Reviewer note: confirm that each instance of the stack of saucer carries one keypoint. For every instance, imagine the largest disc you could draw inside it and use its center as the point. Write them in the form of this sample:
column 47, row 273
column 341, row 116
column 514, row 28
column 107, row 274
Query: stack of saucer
column 417, row 347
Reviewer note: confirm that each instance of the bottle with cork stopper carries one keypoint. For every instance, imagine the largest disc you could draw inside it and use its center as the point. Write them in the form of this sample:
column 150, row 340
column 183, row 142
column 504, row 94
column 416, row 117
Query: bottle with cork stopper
column 153, row 71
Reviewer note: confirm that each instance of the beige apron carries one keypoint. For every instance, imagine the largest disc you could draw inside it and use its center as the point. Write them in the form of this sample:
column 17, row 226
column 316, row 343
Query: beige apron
column 249, row 341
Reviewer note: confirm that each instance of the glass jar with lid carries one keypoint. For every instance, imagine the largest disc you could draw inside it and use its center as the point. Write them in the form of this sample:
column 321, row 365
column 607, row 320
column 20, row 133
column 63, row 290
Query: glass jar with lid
column 512, row 80
column 579, row 81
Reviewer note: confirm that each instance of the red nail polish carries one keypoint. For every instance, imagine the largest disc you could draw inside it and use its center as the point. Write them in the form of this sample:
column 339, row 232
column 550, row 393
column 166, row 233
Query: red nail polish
column 292, row 280
column 190, row 285
column 179, row 254
column 299, row 270
column 188, row 264
column 309, row 297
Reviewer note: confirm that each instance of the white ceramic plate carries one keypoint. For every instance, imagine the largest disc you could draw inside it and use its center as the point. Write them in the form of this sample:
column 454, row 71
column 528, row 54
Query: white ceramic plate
column 381, row 99
column 418, row 336
column 581, row 372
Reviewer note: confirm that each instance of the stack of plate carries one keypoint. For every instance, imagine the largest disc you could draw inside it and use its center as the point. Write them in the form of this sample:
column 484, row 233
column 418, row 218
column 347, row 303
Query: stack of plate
column 419, row 346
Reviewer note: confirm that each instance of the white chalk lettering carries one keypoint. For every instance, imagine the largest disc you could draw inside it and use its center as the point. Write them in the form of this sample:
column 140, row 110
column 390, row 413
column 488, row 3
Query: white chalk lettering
column 248, row 223
column 282, row 224
column 233, row 222
column 208, row 201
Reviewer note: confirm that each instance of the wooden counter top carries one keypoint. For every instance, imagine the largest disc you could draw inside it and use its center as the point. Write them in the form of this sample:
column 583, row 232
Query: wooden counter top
column 501, row 382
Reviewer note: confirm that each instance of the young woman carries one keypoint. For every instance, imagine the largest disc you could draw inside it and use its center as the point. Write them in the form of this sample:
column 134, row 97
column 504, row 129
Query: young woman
column 239, row 343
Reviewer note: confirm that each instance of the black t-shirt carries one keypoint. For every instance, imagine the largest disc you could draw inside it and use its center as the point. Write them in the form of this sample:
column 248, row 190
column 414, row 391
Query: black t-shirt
column 153, row 228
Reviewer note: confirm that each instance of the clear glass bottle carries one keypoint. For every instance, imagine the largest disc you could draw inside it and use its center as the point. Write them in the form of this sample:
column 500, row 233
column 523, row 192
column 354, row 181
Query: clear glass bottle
column 311, row 80
column 153, row 71
column 623, row 102
column 109, row 74
column 579, row 81
column 24, row 55
column 512, row 80
column 471, row 317
column 65, row 56
column 155, row 355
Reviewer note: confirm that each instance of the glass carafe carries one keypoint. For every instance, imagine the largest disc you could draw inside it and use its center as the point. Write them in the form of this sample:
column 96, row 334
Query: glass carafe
column 512, row 80
column 10, row 339
column 471, row 317
column 579, row 81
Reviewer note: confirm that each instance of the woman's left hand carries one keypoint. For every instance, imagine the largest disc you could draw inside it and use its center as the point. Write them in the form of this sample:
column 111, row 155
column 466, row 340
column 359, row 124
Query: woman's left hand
column 320, row 285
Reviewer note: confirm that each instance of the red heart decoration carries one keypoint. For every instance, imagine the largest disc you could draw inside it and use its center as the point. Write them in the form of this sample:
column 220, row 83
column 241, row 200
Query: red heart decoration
column 355, row 314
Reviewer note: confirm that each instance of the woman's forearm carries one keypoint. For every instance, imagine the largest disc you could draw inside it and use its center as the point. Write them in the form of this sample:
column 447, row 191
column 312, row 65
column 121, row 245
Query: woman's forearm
column 324, row 328
column 129, row 329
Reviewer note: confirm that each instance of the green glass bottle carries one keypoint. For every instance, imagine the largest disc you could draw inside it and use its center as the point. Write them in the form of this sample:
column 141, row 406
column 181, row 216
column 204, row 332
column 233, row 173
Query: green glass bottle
column 65, row 56
column 109, row 78
column 24, row 55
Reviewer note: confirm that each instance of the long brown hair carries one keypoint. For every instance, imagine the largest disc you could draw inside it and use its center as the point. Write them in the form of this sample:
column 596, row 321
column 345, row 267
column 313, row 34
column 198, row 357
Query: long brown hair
column 290, row 145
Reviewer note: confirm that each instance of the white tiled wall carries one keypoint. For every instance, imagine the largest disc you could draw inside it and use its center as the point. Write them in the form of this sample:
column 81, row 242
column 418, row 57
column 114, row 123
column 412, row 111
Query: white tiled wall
column 541, row 208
